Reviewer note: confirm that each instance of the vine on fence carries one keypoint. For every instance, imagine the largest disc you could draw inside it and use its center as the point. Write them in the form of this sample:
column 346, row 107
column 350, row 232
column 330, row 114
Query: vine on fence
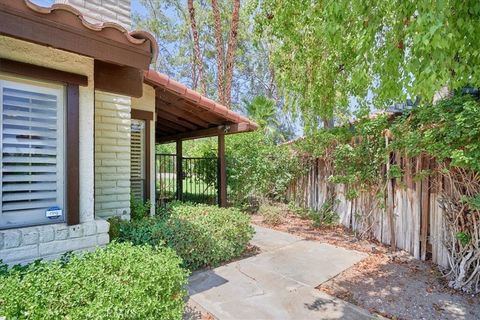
column 359, row 157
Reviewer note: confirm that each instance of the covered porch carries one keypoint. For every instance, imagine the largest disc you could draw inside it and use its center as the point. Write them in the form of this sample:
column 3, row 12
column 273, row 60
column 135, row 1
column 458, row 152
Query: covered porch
column 183, row 114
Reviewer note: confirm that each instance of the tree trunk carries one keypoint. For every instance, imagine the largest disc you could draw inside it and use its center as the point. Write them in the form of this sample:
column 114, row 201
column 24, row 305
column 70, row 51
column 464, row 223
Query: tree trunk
column 232, row 47
column 197, row 58
column 219, row 46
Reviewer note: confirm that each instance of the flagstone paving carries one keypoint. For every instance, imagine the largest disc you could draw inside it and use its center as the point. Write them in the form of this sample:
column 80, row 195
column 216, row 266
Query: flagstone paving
column 278, row 283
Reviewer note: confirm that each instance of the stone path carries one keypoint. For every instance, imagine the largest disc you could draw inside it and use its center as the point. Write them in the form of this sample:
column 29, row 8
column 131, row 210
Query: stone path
column 278, row 283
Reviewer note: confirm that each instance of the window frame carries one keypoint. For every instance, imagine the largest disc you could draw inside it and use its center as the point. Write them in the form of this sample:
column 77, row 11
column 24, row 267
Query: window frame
column 42, row 87
column 71, row 82
column 146, row 116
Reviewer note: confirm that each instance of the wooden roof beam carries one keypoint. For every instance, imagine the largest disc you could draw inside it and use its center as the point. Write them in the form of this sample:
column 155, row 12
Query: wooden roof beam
column 172, row 118
column 163, row 107
column 204, row 133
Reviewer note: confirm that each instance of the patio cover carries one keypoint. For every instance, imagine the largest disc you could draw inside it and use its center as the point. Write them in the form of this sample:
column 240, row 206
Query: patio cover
column 184, row 114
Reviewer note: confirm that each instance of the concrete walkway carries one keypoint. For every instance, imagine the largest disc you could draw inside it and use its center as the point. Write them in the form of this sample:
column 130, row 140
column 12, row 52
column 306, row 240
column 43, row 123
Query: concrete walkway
column 278, row 283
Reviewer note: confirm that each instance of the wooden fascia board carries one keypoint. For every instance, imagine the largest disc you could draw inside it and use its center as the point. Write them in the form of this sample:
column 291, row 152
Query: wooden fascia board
column 33, row 28
column 204, row 133
column 127, row 81
column 38, row 72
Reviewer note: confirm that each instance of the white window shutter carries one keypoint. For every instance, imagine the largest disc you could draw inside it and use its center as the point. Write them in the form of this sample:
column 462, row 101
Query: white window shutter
column 32, row 142
column 137, row 156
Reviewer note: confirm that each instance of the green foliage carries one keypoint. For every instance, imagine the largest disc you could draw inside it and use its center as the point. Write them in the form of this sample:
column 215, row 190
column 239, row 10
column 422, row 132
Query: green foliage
column 448, row 131
column 256, row 166
column 327, row 215
column 265, row 113
column 327, row 54
column 303, row 213
column 118, row 282
column 321, row 143
column 202, row 235
column 148, row 230
column 169, row 22
column 207, row 235
column 360, row 163
column 463, row 237
column 473, row 202
column 138, row 208
column 272, row 214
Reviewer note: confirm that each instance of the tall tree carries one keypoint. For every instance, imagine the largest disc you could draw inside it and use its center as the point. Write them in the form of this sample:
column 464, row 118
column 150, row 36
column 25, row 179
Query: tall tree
column 231, row 51
column 197, row 63
column 219, row 54
column 223, row 36
column 328, row 53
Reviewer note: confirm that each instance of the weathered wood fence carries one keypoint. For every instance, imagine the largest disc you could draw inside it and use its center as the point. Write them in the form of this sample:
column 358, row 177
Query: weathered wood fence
column 409, row 205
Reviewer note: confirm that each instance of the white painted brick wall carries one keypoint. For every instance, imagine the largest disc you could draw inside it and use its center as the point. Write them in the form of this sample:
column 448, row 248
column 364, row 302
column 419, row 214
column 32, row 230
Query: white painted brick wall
column 95, row 11
column 112, row 155
column 25, row 245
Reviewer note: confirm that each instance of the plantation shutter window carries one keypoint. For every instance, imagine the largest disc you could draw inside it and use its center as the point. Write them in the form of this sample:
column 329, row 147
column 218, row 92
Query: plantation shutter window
column 32, row 156
column 137, row 154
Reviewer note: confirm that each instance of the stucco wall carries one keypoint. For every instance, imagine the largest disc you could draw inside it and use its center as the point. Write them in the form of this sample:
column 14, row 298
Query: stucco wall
column 26, row 244
column 147, row 103
column 112, row 155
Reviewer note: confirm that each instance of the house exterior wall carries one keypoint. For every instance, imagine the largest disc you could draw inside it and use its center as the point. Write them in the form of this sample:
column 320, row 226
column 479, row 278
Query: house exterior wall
column 104, row 10
column 147, row 103
column 22, row 245
column 112, row 155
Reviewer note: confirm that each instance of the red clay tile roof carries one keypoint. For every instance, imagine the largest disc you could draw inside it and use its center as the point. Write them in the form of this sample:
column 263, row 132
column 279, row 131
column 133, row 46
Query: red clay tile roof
column 158, row 79
column 66, row 14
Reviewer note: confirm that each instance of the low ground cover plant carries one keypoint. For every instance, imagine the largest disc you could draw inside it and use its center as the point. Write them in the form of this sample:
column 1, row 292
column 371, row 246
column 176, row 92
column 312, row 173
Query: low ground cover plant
column 202, row 235
column 272, row 214
column 121, row 281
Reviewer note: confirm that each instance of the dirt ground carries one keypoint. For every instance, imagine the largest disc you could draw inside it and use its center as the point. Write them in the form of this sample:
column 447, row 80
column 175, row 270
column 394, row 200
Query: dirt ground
column 391, row 284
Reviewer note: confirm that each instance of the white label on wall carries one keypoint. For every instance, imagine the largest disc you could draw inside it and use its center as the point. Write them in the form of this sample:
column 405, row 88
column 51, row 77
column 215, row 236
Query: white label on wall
column 53, row 212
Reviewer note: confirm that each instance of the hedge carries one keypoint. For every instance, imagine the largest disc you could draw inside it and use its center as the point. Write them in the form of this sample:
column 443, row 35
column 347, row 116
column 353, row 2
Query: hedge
column 121, row 281
column 202, row 235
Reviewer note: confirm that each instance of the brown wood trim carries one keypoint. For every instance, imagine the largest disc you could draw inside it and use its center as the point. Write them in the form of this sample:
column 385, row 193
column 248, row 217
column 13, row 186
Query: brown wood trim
column 179, row 158
column 203, row 133
column 162, row 108
column 42, row 73
column 117, row 79
column 67, row 33
column 73, row 169
column 142, row 115
column 147, row 116
column 222, row 172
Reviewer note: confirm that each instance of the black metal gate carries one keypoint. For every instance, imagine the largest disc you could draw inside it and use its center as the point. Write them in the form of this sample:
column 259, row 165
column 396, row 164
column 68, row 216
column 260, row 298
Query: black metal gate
column 199, row 179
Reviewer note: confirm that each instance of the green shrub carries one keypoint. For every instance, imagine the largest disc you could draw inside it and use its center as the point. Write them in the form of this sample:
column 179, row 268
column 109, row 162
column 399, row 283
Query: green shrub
column 327, row 214
column 118, row 282
column 201, row 235
column 207, row 235
column 146, row 231
column 272, row 214
column 303, row 213
column 138, row 208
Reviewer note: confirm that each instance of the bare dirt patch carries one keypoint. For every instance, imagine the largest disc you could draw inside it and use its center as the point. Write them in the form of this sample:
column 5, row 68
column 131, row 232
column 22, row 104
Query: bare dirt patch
column 391, row 284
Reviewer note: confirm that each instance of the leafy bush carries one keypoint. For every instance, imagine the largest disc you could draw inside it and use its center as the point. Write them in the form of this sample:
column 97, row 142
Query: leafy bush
column 118, row 282
column 327, row 214
column 272, row 214
column 256, row 166
column 207, row 235
column 138, row 208
column 201, row 235
column 303, row 213
column 148, row 230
